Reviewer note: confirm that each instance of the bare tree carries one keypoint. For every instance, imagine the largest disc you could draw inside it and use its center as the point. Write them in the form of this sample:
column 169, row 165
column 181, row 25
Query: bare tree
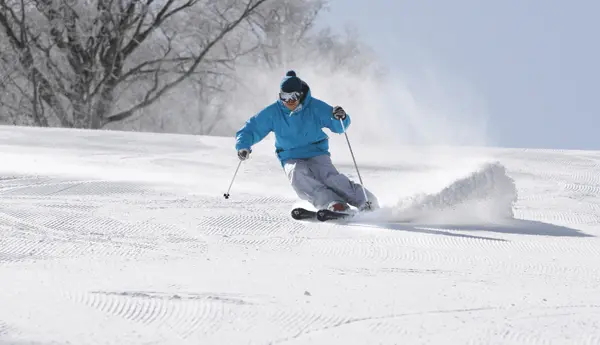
column 288, row 33
column 285, row 29
column 19, row 94
column 76, row 59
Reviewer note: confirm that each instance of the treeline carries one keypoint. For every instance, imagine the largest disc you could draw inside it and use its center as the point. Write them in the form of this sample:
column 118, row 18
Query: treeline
column 172, row 65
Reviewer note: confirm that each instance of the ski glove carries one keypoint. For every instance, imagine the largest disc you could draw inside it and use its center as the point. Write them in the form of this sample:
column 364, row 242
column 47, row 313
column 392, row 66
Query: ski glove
column 243, row 154
column 339, row 113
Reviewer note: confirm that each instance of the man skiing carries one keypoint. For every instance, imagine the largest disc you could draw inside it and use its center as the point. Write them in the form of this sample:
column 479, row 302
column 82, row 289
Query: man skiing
column 297, row 119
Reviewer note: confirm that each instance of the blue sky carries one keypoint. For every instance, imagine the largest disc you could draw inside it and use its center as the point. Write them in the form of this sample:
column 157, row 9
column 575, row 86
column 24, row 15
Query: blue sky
column 534, row 63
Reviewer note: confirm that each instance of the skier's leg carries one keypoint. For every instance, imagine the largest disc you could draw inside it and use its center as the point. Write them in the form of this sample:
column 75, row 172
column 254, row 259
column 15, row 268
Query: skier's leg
column 307, row 186
column 352, row 192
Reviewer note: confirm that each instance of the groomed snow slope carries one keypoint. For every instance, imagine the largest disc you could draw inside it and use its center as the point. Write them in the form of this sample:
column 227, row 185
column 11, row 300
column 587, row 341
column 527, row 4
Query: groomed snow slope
column 125, row 238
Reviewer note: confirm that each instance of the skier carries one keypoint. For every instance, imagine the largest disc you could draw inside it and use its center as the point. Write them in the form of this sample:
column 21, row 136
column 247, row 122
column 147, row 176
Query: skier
column 297, row 119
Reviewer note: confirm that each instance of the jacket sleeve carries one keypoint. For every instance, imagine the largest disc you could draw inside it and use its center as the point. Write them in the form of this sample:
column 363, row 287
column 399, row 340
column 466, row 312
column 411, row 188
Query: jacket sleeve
column 254, row 130
column 327, row 119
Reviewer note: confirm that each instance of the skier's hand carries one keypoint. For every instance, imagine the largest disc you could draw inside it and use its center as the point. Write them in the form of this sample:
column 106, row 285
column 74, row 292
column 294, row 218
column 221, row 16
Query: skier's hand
column 339, row 113
column 243, row 154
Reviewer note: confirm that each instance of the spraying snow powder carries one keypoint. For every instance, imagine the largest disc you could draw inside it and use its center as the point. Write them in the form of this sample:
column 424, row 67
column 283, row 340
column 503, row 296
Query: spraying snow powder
column 486, row 195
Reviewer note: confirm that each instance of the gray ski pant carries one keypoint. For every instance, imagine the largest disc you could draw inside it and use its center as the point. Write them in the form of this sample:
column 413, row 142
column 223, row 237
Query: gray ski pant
column 317, row 181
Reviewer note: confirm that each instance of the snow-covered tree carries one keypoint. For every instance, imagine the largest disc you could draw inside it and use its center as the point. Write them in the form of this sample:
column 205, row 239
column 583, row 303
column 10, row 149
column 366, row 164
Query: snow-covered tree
column 89, row 63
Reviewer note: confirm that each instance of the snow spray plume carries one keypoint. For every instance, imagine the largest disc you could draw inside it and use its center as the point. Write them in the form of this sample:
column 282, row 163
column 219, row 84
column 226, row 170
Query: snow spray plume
column 384, row 109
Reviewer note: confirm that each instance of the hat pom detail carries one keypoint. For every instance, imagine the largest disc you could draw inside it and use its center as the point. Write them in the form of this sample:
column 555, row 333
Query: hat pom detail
column 290, row 74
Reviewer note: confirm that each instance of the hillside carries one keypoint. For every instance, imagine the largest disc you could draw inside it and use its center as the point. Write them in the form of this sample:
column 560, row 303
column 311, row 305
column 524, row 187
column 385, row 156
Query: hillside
column 126, row 238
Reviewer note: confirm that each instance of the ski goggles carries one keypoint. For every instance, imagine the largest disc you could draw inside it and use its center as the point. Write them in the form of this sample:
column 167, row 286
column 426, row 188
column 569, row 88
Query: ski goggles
column 290, row 97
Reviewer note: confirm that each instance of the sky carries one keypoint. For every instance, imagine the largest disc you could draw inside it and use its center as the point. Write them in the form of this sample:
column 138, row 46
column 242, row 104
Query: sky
column 533, row 64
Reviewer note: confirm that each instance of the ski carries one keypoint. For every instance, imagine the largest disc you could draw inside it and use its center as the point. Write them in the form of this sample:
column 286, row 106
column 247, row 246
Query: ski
column 303, row 214
column 300, row 213
column 325, row 215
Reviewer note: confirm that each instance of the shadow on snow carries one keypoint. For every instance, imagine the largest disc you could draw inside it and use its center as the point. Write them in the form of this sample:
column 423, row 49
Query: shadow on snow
column 510, row 226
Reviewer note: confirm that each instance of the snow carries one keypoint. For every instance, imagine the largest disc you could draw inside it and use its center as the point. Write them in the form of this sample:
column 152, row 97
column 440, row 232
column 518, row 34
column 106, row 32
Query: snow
column 126, row 238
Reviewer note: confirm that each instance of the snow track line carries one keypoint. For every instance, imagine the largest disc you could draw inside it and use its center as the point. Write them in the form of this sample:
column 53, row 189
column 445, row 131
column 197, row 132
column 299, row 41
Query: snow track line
column 182, row 314
column 201, row 315
column 529, row 325
column 18, row 249
column 59, row 243
column 61, row 235
column 563, row 217
column 302, row 322
column 369, row 319
column 68, row 187
column 448, row 255
column 271, row 243
column 371, row 272
column 506, row 327
column 73, row 226
column 248, row 225
column 583, row 189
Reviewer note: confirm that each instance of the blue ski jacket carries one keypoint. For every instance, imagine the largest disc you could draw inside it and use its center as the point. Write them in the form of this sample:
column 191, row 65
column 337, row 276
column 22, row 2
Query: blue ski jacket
column 298, row 134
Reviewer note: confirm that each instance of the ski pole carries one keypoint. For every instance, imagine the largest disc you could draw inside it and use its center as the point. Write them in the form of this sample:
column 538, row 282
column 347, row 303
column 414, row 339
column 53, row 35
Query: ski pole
column 356, row 165
column 226, row 195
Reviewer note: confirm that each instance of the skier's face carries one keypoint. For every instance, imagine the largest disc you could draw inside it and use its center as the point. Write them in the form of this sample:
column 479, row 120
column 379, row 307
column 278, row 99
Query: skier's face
column 290, row 99
column 291, row 105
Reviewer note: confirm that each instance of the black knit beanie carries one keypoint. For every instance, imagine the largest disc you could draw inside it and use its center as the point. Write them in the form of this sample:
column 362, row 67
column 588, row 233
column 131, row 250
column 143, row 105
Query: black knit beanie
column 291, row 83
